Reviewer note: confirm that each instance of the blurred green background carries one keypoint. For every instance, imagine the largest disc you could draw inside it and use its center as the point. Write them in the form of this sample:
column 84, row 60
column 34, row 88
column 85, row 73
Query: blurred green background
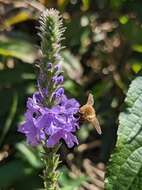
column 102, row 54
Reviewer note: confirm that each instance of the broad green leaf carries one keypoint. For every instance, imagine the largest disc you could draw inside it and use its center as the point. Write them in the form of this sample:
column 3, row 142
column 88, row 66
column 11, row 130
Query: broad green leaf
column 125, row 167
column 18, row 48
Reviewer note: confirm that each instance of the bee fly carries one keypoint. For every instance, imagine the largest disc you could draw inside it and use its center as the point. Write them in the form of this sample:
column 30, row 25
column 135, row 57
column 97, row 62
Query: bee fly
column 88, row 113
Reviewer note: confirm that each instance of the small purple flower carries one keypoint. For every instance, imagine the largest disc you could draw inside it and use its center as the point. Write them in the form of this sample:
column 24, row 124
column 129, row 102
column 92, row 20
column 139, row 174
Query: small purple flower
column 49, row 66
column 57, row 68
column 29, row 129
column 58, row 79
column 69, row 138
column 45, row 92
column 42, row 91
column 58, row 93
column 37, row 98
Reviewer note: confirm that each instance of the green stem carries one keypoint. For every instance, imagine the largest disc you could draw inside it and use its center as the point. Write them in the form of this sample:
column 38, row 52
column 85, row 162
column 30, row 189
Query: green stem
column 50, row 173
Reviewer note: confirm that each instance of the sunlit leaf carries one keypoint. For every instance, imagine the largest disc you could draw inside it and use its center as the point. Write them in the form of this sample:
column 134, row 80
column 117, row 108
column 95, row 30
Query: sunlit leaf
column 21, row 16
column 136, row 66
column 123, row 19
column 86, row 4
column 137, row 48
column 18, row 48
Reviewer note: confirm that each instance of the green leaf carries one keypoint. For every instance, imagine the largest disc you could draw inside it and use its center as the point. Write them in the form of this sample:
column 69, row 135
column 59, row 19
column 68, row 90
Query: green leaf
column 21, row 16
column 132, row 32
column 19, row 74
column 12, row 172
column 125, row 168
column 86, row 4
column 137, row 48
column 18, row 48
column 62, row 4
column 123, row 19
column 69, row 183
column 9, row 118
column 136, row 66
column 72, row 65
column 117, row 4
column 73, row 88
column 29, row 154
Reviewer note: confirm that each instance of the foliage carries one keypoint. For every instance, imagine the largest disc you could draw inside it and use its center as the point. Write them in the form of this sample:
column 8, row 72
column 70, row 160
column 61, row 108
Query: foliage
column 69, row 183
column 126, row 160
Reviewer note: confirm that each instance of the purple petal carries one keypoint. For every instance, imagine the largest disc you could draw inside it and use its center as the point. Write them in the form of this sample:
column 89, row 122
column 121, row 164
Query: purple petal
column 70, row 140
column 37, row 98
column 54, row 139
column 30, row 132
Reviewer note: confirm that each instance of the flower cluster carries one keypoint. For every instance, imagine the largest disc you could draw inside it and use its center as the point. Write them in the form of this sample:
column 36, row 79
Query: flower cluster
column 50, row 125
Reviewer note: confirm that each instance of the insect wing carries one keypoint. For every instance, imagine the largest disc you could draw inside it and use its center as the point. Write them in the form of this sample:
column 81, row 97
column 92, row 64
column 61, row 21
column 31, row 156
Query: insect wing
column 90, row 100
column 96, row 124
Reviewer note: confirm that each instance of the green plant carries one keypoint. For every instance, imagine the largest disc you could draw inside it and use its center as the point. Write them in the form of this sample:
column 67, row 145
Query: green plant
column 125, row 167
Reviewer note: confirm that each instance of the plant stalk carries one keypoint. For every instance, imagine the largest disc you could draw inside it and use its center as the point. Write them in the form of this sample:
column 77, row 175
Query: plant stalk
column 50, row 173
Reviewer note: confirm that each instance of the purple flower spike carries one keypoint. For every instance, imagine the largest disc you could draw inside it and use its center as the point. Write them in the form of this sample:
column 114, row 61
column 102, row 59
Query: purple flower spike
column 50, row 116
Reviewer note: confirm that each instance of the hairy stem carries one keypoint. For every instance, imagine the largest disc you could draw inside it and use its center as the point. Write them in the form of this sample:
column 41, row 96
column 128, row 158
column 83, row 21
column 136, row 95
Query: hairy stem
column 50, row 173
